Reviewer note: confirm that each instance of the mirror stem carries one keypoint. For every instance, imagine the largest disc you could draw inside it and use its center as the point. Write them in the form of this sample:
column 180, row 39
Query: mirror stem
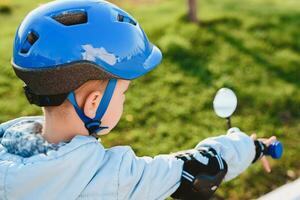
column 228, row 122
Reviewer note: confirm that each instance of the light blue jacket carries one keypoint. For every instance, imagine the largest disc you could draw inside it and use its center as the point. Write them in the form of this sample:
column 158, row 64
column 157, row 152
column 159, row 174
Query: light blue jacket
column 84, row 169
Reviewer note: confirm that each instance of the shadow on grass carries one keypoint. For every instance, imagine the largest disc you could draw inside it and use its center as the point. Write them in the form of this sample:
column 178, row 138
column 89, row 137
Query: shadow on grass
column 193, row 60
column 282, row 31
column 291, row 75
column 5, row 9
column 192, row 63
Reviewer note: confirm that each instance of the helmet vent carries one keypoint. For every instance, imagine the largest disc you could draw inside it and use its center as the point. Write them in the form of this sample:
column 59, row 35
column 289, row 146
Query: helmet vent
column 71, row 18
column 32, row 37
column 122, row 18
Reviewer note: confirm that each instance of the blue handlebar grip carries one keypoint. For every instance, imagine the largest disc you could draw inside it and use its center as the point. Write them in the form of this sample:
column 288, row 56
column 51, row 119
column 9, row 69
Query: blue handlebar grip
column 275, row 150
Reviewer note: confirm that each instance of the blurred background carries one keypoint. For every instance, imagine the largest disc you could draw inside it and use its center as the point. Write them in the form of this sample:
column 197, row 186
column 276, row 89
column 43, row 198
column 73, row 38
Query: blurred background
column 250, row 46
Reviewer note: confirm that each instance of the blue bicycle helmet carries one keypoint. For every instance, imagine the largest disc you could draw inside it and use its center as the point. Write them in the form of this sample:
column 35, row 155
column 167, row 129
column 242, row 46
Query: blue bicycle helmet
column 63, row 44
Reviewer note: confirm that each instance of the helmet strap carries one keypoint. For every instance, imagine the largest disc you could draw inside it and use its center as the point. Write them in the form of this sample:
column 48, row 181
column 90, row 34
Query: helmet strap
column 94, row 125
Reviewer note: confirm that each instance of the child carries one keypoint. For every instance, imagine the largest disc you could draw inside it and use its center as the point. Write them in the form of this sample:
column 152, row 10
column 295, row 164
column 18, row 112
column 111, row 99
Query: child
column 77, row 58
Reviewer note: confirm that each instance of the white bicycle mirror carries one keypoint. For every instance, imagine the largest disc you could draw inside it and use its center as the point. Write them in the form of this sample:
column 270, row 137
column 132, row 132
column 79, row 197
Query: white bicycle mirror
column 225, row 103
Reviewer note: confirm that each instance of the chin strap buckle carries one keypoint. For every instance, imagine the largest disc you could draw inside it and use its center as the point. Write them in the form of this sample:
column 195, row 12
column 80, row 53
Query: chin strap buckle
column 94, row 127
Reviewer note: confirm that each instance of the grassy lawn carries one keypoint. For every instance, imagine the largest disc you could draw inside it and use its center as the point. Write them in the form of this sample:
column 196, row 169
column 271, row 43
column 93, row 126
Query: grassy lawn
column 252, row 47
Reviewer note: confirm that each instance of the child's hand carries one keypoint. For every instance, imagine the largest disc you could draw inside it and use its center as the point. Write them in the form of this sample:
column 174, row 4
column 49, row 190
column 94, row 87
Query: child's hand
column 267, row 142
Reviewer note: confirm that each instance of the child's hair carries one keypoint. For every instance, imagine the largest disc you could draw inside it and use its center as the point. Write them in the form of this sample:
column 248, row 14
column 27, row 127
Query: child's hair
column 82, row 92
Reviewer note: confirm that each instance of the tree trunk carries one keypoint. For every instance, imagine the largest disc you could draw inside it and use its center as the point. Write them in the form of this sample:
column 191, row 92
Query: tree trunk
column 192, row 10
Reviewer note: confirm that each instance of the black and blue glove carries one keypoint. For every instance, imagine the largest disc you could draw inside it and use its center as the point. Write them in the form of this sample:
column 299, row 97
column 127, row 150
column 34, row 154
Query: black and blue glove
column 203, row 172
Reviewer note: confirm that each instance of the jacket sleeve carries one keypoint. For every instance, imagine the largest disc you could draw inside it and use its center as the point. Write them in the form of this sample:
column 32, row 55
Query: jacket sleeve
column 236, row 148
column 148, row 178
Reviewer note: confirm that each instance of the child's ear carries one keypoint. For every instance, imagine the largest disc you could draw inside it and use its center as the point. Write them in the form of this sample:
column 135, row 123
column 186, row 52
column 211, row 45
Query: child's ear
column 91, row 104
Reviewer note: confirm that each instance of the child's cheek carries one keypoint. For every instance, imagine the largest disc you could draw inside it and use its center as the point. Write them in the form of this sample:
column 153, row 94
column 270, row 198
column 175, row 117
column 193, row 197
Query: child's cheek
column 114, row 112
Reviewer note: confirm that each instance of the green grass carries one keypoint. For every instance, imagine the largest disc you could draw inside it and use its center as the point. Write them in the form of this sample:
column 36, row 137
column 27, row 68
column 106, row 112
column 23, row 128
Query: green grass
column 250, row 46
